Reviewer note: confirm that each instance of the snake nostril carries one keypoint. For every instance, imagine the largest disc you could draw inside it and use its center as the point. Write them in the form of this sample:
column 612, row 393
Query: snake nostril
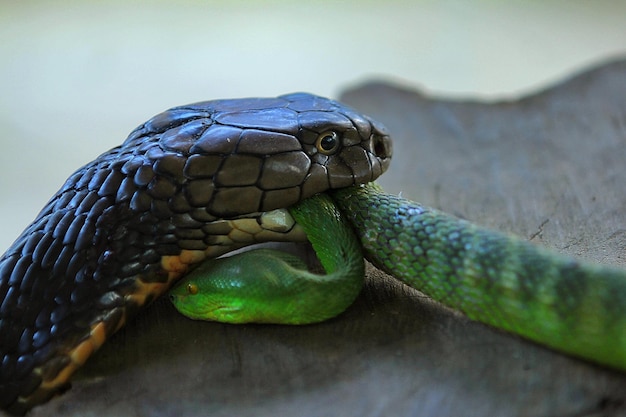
column 381, row 146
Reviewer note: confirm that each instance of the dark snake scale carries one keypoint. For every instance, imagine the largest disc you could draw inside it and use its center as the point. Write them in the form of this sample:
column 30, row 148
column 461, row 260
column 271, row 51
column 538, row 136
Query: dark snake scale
column 124, row 227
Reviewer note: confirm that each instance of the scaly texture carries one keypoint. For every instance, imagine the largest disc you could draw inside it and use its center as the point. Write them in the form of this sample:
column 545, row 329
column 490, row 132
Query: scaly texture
column 501, row 280
column 125, row 227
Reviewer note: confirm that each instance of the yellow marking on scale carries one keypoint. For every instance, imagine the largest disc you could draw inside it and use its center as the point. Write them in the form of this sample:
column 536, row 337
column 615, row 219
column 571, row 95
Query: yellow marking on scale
column 78, row 356
column 277, row 225
column 248, row 226
column 191, row 256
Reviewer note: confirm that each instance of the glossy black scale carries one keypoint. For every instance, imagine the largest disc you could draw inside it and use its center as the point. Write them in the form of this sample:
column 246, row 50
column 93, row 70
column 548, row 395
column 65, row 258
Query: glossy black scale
column 107, row 229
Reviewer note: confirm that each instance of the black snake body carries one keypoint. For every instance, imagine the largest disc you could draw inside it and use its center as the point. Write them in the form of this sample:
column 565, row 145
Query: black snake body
column 124, row 227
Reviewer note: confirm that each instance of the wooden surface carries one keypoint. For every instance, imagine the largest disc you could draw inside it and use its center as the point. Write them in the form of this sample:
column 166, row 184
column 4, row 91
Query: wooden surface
column 550, row 167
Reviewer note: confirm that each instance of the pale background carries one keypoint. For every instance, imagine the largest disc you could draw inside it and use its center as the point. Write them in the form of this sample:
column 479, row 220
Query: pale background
column 76, row 77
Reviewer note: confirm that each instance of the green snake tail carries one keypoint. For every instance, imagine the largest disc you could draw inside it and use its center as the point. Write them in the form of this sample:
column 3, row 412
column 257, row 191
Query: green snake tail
column 494, row 278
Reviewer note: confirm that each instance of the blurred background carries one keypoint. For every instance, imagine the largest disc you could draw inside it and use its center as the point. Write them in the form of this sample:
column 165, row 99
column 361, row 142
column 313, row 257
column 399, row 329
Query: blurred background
column 76, row 77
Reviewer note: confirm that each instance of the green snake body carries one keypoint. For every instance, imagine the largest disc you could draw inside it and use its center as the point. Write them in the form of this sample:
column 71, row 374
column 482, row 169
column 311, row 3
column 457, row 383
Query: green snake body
column 269, row 286
column 200, row 180
column 498, row 279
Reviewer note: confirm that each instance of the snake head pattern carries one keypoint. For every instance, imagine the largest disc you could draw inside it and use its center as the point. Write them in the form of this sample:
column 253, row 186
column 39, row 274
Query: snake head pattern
column 125, row 227
column 251, row 155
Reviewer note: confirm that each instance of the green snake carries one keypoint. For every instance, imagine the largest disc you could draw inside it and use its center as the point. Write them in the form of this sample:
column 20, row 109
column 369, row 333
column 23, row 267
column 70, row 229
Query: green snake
column 497, row 279
column 200, row 180
column 269, row 286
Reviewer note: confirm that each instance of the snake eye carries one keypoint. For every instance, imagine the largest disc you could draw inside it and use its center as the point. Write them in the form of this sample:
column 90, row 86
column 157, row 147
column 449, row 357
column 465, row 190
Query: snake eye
column 327, row 143
column 192, row 288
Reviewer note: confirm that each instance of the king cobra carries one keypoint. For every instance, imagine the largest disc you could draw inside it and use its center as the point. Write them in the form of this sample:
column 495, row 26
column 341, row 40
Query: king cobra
column 197, row 181
column 191, row 183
